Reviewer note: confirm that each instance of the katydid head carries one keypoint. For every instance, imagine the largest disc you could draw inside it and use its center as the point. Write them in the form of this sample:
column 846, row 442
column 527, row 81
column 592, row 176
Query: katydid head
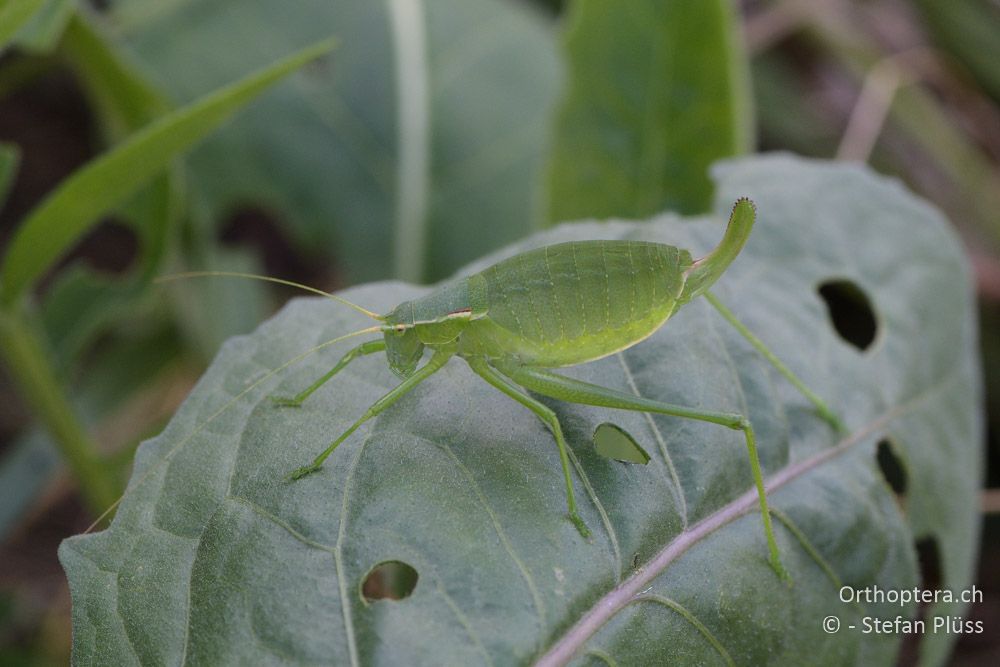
column 403, row 347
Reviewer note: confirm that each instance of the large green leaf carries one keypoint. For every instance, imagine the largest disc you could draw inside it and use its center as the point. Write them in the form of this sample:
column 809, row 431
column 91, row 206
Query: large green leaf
column 657, row 92
column 215, row 558
column 418, row 150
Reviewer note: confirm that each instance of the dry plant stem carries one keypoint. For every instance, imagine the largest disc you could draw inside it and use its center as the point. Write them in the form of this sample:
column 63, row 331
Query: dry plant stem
column 765, row 28
column 987, row 271
column 829, row 24
column 875, row 100
column 29, row 366
column 991, row 501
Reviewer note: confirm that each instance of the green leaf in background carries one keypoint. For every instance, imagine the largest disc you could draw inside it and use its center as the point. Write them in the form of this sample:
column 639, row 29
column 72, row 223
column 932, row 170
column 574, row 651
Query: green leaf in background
column 208, row 310
column 786, row 113
column 14, row 14
column 83, row 300
column 29, row 462
column 416, row 150
column 970, row 30
column 120, row 371
column 52, row 227
column 121, row 98
column 215, row 558
column 42, row 32
column 657, row 92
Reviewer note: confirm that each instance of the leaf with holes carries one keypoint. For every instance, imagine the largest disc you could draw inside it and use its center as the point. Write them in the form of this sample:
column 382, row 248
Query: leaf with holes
column 438, row 534
column 432, row 116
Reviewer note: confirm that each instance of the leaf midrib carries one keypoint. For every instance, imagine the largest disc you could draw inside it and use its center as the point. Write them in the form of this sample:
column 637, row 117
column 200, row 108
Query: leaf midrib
column 605, row 607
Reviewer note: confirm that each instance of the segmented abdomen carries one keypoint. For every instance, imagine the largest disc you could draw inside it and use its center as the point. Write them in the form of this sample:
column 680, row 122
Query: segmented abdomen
column 572, row 302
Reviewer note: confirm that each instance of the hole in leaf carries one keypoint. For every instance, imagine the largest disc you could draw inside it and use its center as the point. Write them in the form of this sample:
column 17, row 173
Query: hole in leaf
column 929, row 559
column 850, row 311
column 891, row 467
column 613, row 442
column 389, row 580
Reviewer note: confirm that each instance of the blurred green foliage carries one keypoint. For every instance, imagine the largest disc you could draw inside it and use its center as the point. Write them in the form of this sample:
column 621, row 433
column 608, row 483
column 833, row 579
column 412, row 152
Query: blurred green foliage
column 656, row 92
column 967, row 31
column 422, row 144
column 416, row 149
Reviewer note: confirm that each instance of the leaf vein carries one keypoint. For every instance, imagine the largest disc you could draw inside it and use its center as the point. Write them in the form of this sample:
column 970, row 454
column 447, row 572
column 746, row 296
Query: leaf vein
column 620, row 596
column 281, row 523
column 677, row 490
column 690, row 618
column 525, row 573
column 463, row 621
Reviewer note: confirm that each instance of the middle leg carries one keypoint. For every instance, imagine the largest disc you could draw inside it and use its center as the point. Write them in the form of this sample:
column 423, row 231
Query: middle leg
column 370, row 347
column 435, row 364
column 550, row 419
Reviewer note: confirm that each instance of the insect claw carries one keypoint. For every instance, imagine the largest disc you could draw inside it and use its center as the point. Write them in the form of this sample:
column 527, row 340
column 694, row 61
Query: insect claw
column 299, row 473
column 286, row 402
column 833, row 420
column 780, row 570
column 580, row 525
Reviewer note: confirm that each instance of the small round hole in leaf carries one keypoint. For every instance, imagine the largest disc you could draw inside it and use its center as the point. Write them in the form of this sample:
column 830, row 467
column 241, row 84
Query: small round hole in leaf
column 850, row 311
column 613, row 442
column 389, row 580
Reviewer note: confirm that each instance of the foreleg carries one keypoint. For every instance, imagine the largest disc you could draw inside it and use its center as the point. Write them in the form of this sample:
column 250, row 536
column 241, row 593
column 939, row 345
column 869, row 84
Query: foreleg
column 439, row 359
column 361, row 350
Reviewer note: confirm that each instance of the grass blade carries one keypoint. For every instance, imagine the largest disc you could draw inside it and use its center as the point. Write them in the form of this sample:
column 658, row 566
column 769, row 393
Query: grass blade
column 13, row 15
column 109, row 180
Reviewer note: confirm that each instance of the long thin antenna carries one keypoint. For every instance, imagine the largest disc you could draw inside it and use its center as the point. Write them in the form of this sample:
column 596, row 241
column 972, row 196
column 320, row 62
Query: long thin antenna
column 289, row 283
column 183, row 441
